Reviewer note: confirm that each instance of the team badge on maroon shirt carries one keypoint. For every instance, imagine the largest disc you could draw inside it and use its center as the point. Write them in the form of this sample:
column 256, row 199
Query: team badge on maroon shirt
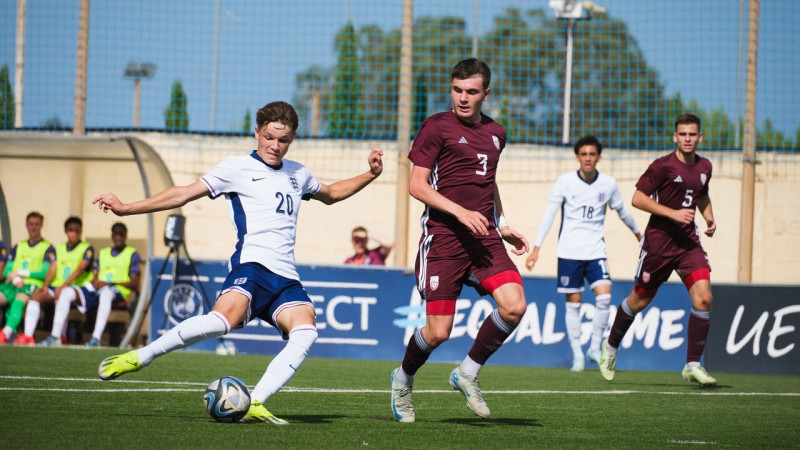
column 496, row 141
column 703, row 178
column 434, row 282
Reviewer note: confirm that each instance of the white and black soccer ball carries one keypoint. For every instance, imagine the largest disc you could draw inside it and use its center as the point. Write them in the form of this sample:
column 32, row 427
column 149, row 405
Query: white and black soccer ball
column 227, row 399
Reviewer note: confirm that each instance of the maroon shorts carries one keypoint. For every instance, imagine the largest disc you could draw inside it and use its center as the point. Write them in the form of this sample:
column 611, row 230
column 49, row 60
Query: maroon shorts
column 446, row 262
column 654, row 270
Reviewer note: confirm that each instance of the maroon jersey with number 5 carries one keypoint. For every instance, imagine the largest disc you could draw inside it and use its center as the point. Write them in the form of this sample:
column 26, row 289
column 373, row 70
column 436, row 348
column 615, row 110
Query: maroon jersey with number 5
column 676, row 185
column 463, row 161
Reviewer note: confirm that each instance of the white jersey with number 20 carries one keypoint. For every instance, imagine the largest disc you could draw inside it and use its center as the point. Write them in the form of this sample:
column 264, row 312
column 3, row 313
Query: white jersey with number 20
column 263, row 202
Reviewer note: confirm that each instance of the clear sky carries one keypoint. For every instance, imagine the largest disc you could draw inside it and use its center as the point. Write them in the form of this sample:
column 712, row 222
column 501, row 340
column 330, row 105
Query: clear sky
column 264, row 44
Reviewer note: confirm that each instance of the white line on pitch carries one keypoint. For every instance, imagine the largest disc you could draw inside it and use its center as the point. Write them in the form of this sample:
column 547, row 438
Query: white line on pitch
column 366, row 391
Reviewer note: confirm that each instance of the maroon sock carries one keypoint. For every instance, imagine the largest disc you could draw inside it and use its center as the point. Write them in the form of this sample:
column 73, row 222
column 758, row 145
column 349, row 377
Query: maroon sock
column 697, row 334
column 491, row 336
column 622, row 321
column 417, row 352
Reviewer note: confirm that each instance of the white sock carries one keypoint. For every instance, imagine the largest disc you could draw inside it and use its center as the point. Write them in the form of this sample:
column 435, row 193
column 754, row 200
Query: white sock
column 404, row 379
column 103, row 311
column 31, row 316
column 573, row 321
column 600, row 320
column 63, row 303
column 470, row 368
column 285, row 364
column 611, row 350
column 190, row 331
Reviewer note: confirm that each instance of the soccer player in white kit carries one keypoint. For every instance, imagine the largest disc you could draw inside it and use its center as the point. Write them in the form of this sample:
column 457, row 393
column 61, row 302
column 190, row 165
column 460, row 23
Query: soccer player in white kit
column 263, row 191
column 582, row 197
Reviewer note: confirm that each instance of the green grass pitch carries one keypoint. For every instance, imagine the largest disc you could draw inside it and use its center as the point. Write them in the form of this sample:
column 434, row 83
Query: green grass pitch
column 53, row 399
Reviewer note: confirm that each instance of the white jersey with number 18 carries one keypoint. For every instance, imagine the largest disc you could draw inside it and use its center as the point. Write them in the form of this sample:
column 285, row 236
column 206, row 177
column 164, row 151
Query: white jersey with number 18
column 583, row 211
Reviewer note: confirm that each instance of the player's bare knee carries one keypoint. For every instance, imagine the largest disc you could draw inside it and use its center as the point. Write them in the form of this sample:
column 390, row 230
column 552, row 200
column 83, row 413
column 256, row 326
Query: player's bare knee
column 513, row 313
column 439, row 339
column 702, row 301
column 637, row 304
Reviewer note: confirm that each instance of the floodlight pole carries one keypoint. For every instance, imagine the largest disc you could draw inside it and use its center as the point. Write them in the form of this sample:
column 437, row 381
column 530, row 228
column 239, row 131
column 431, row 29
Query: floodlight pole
column 568, row 85
column 19, row 69
column 137, row 71
column 137, row 94
column 571, row 11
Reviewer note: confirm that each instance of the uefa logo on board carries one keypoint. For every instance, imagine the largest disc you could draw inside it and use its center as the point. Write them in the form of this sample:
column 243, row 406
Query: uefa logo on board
column 181, row 302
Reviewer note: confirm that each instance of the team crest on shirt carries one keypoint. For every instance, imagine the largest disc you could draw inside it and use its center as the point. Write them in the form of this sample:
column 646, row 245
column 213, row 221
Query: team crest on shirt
column 294, row 183
column 703, row 178
column 564, row 281
column 434, row 282
column 496, row 141
column 601, row 197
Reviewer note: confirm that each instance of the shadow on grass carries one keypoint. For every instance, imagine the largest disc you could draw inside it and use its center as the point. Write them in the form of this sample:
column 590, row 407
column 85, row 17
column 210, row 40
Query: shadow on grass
column 475, row 421
column 677, row 385
column 312, row 418
column 505, row 421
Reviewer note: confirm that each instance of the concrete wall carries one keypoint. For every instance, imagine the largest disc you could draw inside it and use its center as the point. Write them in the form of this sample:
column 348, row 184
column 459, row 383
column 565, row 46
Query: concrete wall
column 526, row 176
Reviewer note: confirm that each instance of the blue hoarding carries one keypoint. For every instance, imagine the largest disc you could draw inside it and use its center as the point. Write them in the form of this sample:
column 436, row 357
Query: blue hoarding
column 370, row 312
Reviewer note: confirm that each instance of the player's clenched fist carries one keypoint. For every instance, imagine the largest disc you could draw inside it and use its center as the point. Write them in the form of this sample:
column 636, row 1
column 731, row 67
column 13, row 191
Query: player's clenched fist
column 375, row 161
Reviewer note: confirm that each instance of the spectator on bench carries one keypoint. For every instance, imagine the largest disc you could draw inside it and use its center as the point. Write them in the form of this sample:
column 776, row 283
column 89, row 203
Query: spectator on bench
column 117, row 274
column 30, row 270
column 74, row 260
column 3, row 258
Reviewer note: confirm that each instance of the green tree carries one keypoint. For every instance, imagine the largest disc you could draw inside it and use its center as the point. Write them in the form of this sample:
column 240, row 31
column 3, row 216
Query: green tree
column 797, row 138
column 176, row 116
column 7, row 111
column 523, row 57
column 719, row 131
column 247, row 125
column 770, row 138
column 312, row 98
column 53, row 123
column 346, row 118
column 616, row 94
column 419, row 110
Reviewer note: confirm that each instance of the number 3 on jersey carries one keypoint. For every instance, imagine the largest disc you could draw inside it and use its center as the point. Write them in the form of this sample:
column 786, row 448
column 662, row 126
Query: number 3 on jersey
column 483, row 161
column 285, row 204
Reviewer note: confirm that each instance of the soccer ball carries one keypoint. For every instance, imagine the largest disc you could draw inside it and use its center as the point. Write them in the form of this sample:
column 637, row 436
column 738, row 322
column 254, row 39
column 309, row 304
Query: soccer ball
column 227, row 399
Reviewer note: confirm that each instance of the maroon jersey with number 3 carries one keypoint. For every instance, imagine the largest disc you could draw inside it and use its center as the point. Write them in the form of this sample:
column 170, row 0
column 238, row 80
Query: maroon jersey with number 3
column 676, row 185
column 463, row 161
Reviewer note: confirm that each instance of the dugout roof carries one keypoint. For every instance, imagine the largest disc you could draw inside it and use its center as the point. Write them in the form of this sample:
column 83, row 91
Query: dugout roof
column 59, row 176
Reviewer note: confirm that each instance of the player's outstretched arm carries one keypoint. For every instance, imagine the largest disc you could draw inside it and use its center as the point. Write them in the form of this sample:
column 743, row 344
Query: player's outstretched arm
column 336, row 192
column 420, row 189
column 172, row 197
